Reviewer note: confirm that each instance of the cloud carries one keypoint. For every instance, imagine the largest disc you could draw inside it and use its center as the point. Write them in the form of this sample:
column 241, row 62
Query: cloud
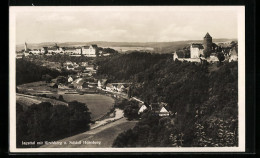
column 125, row 25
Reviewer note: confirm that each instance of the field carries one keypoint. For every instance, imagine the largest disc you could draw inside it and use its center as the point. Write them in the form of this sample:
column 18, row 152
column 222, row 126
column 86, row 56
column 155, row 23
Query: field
column 27, row 100
column 98, row 105
column 105, row 134
column 36, row 87
column 125, row 49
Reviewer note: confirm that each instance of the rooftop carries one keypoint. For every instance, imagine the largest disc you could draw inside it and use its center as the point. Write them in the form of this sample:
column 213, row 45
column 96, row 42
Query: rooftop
column 207, row 35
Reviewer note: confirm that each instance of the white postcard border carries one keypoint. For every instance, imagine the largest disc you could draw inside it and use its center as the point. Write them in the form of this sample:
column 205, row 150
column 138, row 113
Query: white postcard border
column 241, row 80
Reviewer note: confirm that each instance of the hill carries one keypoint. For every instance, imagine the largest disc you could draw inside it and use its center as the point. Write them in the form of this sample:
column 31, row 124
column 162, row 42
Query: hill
column 28, row 100
column 159, row 47
column 203, row 97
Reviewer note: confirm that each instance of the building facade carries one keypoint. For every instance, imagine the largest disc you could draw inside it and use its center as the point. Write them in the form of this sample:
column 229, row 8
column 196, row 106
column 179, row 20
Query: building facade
column 90, row 51
column 196, row 50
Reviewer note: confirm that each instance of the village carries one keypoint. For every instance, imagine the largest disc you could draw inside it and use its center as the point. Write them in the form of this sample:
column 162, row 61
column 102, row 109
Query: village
column 123, row 77
column 82, row 80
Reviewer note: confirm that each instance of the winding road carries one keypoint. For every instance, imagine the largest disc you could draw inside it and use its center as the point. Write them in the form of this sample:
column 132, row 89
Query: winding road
column 100, row 137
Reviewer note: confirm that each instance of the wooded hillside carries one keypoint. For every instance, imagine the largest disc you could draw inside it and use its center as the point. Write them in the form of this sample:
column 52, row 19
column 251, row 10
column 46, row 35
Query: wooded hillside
column 206, row 101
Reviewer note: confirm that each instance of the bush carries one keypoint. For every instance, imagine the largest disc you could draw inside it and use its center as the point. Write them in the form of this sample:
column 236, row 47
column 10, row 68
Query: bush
column 45, row 122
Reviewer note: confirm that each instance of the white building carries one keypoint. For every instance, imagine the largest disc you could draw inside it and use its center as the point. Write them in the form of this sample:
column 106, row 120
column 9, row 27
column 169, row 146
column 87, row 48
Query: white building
column 196, row 50
column 70, row 79
column 142, row 108
column 164, row 112
column 89, row 51
column 120, row 88
column 35, row 51
column 109, row 87
column 175, row 56
column 233, row 55
column 70, row 67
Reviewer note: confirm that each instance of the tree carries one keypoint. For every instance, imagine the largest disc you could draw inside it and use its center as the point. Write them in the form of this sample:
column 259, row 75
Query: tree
column 79, row 117
column 62, row 79
column 221, row 56
column 47, row 122
column 131, row 110
column 206, row 53
column 61, row 98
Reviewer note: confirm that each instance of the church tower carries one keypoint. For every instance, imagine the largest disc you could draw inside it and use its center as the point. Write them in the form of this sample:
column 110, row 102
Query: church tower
column 207, row 44
column 25, row 46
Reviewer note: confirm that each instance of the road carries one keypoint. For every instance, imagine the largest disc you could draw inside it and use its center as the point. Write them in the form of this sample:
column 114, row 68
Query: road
column 100, row 137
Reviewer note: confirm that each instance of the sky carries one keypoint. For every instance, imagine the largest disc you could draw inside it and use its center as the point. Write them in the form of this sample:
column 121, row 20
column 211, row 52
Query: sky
column 123, row 24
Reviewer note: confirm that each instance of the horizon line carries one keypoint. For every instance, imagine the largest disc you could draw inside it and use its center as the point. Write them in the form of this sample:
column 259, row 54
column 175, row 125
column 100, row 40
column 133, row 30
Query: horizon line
column 125, row 42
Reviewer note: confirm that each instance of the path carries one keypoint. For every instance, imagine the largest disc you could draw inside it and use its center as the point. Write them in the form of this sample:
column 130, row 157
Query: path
column 118, row 115
column 101, row 137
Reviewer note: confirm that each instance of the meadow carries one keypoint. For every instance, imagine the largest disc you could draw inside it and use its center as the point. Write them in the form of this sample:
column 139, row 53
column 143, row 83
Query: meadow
column 98, row 104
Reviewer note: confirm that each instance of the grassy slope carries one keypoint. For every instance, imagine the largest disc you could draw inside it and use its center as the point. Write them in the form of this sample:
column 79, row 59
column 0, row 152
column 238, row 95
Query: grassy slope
column 28, row 100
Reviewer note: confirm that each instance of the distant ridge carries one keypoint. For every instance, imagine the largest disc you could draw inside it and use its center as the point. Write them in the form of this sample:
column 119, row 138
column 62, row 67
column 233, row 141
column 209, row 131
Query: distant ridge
column 158, row 46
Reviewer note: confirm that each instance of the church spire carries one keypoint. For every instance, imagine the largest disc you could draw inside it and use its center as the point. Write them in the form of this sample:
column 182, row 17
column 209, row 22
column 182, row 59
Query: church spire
column 25, row 46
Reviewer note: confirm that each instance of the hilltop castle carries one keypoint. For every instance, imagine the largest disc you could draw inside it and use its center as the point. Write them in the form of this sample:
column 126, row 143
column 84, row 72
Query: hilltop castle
column 207, row 50
column 199, row 50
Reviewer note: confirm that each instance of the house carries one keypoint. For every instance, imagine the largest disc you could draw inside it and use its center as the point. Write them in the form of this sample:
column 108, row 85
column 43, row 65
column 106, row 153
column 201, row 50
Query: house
column 53, row 85
column 164, row 112
column 35, row 51
column 120, row 87
column 84, row 63
column 70, row 67
column 213, row 57
column 80, row 83
column 70, row 79
column 160, row 109
column 68, row 63
column 90, row 68
column 175, row 56
column 114, row 87
column 102, row 83
column 109, row 87
column 142, row 109
column 71, row 86
column 90, row 51
column 75, row 65
column 233, row 55
column 62, row 86
column 196, row 50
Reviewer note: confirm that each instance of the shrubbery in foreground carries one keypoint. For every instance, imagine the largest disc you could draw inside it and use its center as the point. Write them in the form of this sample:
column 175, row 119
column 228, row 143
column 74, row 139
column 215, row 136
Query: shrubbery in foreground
column 45, row 122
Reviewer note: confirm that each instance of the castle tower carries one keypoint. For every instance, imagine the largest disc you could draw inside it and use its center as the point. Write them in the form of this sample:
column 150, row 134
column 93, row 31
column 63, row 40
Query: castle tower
column 25, row 46
column 207, row 44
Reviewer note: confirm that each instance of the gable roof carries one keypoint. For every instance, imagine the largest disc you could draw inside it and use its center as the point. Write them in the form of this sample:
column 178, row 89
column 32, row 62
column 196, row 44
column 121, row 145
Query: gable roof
column 120, row 85
column 94, row 45
column 86, row 47
column 110, row 85
column 158, row 106
column 163, row 109
column 197, row 45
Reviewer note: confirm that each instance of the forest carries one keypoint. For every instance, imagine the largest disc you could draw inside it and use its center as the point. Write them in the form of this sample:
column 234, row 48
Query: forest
column 204, row 95
column 28, row 71
column 45, row 122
